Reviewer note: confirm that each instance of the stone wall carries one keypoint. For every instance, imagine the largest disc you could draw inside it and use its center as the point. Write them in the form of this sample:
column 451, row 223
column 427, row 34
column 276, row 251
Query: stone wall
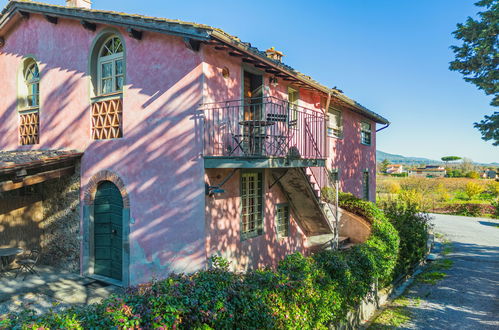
column 61, row 222
column 21, row 215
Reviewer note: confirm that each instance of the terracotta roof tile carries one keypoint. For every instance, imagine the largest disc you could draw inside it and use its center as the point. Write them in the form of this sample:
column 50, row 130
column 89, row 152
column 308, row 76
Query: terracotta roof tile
column 17, row 158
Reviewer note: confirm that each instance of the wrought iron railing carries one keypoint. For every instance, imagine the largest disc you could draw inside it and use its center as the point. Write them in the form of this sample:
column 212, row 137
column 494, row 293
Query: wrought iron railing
column 263, row 127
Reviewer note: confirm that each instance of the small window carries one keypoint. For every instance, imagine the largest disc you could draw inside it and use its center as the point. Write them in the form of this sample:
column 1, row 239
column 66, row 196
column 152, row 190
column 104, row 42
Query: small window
column 335, row 124
column 365, row 133
column 293, row 99
column 282, row 220
column 110, row 67
column 252, row 204
column 365, row 185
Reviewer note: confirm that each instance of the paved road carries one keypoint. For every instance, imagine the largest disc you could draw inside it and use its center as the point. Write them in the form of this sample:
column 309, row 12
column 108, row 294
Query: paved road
column 468, row 298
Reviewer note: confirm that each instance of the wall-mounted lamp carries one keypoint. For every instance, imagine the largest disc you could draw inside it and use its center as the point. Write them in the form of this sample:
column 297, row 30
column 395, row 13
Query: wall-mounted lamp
column 273, row 81
column 213, row 190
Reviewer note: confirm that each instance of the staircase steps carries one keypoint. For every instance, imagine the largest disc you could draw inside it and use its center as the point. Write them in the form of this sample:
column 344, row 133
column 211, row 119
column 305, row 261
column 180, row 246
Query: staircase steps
column 345, row 243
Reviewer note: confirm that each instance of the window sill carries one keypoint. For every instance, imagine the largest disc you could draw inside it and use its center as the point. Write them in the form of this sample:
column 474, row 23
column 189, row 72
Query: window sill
column 105, row 97
column 365, row 144
column 247, row 236
column 29, row 110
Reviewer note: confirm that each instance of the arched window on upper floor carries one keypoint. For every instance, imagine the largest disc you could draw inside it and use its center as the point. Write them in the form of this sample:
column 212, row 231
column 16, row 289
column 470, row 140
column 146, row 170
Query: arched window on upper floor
column 29, row 102
column 110, row 67
column 108, row 76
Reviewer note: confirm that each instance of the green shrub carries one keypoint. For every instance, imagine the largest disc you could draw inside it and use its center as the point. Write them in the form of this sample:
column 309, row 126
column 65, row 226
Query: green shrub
column 469, row 210
column 495, row 205
column 412, row 226
column 303, row 292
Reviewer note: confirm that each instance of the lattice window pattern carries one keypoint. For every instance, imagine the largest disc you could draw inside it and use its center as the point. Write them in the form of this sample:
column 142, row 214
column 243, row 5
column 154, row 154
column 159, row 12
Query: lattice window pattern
column 282, row 220
column 252, row 204
column 107, row 119
column 29, row 127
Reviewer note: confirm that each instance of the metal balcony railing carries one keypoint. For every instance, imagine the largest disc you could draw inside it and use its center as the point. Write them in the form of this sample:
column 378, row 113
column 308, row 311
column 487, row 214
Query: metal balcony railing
column 263, row 127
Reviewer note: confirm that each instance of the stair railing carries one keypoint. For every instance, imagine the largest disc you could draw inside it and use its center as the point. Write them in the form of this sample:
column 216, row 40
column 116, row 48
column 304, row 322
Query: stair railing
column 323, row 180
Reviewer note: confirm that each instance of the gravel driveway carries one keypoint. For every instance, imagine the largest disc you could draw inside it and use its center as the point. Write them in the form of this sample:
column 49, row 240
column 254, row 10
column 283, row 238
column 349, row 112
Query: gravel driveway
column 468, row 298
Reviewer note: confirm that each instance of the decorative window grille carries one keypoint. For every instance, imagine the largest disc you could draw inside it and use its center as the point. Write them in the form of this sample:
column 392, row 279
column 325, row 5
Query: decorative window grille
column 252, row 204
column 282, row 220
column 365, row 133
column 365, row 185
column 110, row 67
column 29, row 128
column 335, row 124
column 107, row 119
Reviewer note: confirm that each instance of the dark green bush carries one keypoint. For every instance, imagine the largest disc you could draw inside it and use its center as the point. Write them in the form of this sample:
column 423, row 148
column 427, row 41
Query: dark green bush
column 412, row 226
column 303, row 292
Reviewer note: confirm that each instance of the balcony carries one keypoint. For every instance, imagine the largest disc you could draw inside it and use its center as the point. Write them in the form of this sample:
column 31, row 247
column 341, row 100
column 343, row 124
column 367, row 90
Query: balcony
column 263, row 132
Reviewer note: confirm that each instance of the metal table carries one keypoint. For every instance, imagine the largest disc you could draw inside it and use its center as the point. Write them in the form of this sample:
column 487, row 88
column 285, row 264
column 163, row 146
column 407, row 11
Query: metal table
column 5, row 254
column 252, row 141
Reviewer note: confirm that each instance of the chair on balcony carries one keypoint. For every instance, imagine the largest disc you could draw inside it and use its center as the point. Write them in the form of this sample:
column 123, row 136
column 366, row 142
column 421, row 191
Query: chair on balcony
column 282, row 135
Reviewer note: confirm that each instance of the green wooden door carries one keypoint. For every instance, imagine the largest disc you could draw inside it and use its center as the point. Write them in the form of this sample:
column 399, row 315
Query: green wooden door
column 108, row 229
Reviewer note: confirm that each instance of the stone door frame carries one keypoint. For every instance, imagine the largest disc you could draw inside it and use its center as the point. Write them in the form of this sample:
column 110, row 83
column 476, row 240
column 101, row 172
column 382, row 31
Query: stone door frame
column 88, row 254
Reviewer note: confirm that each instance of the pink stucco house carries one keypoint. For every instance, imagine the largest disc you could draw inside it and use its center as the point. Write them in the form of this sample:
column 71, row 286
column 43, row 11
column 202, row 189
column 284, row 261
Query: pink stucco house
column 192, row 142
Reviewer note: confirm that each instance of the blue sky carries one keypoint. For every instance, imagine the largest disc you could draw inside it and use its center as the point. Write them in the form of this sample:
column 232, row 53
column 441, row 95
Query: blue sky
column 391, row 56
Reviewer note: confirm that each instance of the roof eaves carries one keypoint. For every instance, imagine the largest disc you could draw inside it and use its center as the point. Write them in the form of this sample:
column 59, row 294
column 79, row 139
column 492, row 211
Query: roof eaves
column 246, row 47
column 180, row 28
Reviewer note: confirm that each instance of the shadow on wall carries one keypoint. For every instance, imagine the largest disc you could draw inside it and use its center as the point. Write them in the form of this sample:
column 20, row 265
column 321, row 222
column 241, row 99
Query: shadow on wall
column 223, row 216
column 44, row 217
column 352, row 158
column 159, row 158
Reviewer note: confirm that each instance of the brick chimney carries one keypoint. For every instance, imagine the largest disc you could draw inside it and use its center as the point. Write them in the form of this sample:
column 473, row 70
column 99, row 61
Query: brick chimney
column 86, row 4
column 274, row 54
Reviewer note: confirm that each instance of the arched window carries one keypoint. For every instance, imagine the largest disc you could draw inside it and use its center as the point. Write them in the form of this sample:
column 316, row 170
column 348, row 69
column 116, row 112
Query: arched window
column 110, row 67
column 29, row 102
column 108, row 75
column 32, row 81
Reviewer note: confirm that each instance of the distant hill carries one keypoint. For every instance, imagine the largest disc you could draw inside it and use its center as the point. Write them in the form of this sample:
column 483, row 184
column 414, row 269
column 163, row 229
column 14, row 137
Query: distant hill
column 399, row 159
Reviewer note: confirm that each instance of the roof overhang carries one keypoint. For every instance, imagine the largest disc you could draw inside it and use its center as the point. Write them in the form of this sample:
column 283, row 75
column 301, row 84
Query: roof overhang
column 17, row 9
column 26, row 173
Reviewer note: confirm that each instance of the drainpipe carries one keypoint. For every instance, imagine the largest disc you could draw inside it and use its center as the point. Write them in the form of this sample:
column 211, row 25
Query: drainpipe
column 382, row 128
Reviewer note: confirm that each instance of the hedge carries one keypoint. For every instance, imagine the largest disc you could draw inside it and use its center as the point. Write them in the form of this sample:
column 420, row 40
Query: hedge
column 303, row 292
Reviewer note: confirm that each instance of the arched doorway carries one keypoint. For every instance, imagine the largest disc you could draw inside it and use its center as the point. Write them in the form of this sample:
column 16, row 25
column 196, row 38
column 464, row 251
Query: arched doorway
column 108, row 231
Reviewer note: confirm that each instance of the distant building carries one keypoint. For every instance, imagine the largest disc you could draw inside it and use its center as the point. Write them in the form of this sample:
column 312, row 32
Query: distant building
column 395, row 169
column 489, row 174
column 429, row 171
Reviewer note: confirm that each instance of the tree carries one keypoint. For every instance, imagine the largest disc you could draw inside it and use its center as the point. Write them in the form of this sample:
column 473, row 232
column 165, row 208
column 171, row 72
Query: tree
column 467, row 165
column 384, row 165
column 477, row 59
column 447, row 159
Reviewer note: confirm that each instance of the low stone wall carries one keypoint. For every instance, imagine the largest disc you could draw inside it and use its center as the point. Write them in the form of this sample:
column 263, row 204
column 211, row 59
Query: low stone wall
column 353, row 226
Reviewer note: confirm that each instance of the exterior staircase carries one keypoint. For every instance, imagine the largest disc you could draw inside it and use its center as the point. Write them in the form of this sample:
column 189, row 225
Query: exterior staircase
column 316, row 218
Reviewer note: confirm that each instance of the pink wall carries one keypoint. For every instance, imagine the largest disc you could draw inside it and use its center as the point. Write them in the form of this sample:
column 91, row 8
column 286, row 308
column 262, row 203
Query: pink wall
column 347, row 154
column 223, row 223
column 351, row 157
column 158, row 158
